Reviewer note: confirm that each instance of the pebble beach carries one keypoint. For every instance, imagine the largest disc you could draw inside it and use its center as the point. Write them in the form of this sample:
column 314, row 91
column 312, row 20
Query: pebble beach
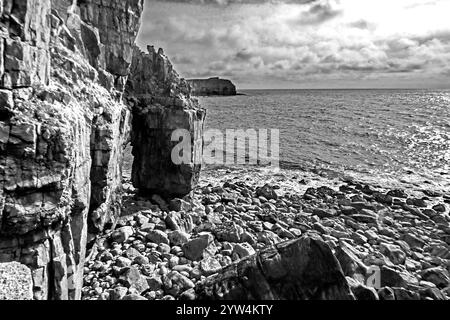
column 161, row 250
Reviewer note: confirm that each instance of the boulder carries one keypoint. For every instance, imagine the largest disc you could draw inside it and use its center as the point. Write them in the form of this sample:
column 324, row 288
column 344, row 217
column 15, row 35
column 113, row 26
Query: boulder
column 393, row 252
column 132, row 278
column 209, row 266
column 267, row 192
column 298, row 269
column 178, row 238
column 362, row 292
column 175, row 283
column 439, row 276
column 393, row 278
column 122, row 234
column 229, row 231
column 157, row 236
column 243, row 250
column 179, row 205
column 349, row 260
column 195, row 249
column 135, row 297
column 180, row 221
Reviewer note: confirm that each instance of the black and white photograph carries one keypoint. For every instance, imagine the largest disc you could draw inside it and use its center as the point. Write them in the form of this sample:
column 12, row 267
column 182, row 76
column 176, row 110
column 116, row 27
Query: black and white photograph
column 223, row 156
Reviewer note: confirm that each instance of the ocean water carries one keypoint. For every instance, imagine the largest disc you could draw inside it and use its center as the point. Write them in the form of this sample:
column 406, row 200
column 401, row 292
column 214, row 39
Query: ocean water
column 381, row 135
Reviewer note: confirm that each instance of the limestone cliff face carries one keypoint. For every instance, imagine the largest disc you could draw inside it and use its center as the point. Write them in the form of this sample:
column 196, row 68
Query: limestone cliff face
column 63, row 126
column 212, row 87
column 162, row 103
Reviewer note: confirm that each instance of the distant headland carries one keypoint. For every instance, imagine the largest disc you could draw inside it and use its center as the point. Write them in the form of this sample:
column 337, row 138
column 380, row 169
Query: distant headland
column 212, row 87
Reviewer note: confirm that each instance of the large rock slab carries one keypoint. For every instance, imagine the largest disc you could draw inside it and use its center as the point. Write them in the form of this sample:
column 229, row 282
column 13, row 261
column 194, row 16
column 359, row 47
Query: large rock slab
column 212, row 87
column 303, row 269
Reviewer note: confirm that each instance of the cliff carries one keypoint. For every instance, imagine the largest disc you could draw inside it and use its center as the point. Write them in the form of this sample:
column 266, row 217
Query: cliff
column 64, row 66
column 212, row 87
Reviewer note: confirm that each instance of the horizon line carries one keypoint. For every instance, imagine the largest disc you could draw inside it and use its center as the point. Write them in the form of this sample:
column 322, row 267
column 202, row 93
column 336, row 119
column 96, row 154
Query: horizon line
column 393, row 88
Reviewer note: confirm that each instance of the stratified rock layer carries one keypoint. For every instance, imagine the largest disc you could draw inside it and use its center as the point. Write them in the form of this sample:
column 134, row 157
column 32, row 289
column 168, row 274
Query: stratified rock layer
column 63, row 127
column 162, row 105
column 303, row 269
column 212, row 87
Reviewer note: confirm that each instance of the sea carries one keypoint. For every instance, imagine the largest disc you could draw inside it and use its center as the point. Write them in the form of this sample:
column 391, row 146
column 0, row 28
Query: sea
column 381, row 136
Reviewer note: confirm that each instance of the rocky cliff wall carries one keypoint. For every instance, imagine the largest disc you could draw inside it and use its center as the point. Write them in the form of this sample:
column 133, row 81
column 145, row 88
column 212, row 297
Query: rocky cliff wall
column 212, row 87
column 63, row 126
column 161, row 104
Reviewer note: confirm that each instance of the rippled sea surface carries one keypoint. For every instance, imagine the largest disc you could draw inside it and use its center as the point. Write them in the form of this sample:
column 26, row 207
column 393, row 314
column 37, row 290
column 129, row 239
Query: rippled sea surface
column 395, row 135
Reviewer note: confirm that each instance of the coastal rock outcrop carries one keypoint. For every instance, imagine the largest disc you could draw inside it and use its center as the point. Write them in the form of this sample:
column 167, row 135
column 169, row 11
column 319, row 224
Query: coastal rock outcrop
column 212, row 87
column 162, row 106
column 63, row 126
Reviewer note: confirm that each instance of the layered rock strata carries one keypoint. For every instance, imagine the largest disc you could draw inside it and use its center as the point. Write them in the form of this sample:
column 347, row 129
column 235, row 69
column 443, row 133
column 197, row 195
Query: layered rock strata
column 162, row 106
column 63, row 126
column 212, row 87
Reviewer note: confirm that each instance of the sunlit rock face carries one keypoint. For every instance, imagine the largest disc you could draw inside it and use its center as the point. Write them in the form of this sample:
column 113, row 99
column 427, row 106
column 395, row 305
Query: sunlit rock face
column 63, row 127
column 162, row 104
column 212, row 87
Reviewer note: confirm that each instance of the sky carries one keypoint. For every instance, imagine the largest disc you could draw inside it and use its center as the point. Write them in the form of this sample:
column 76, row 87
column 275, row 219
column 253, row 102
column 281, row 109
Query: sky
column 294, row 44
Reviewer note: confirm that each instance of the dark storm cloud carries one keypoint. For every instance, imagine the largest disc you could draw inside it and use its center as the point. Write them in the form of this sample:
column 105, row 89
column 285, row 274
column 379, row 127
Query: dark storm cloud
column 319, row 13
column 243, row 55
column 443, row 36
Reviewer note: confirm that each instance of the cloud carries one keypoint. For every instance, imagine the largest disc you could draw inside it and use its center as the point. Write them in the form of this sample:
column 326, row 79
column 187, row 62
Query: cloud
column 283, row 42
column 362, row 24
column 229, row 2
column 183, row 59
column 319, row 13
